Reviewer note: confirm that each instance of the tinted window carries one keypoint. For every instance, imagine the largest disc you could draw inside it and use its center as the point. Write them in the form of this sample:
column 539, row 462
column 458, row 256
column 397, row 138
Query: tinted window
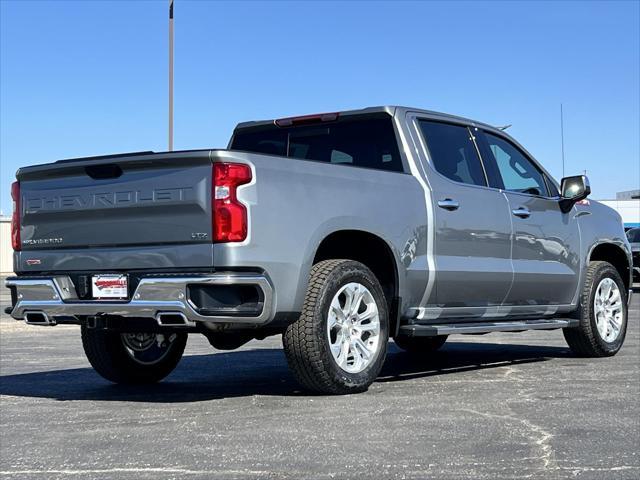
column 634, row 235
column 518, row 173
column 452, row 152
column 553, row 190
column 369, row 143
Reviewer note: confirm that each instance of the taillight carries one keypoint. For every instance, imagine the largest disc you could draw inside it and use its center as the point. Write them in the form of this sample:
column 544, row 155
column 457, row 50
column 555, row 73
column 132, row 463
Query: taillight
column 229, row 215
column 15, row 217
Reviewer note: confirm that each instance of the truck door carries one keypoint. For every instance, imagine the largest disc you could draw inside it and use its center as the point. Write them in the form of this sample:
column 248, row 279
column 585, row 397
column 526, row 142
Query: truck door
column 472, row 246
column 546, row 242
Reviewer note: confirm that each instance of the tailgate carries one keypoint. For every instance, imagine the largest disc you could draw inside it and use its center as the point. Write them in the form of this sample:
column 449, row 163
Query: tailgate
column 148, row 199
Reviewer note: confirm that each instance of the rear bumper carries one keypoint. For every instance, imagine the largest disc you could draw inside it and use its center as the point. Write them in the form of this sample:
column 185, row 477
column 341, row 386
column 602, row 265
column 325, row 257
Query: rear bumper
column 56, row 297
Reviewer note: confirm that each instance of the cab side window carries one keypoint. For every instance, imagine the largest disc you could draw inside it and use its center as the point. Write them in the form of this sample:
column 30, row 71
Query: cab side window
column 518, row 173
column 553, row 190
column 452, row 152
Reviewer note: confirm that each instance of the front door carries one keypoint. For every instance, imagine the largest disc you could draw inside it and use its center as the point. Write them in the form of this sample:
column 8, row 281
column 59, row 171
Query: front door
column 546, row 242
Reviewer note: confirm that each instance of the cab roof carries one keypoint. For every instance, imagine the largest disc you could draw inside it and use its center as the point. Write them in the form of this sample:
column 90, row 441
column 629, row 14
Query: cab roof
column 393, row 110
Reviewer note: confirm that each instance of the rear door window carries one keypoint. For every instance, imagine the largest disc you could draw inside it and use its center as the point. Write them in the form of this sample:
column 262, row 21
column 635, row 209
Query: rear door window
column 359, row 142
column 453, row 152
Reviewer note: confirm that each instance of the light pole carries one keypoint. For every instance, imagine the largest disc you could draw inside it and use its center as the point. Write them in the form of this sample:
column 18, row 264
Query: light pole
column 170, row 75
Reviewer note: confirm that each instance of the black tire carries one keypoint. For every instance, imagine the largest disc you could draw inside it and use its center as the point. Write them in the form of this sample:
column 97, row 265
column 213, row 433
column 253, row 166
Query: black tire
column 585, row 339
column 306, row 342
column 421, row 345
column 108, row 355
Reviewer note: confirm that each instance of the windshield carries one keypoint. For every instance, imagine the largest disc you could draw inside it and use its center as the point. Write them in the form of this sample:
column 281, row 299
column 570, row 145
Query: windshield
column 634, row 235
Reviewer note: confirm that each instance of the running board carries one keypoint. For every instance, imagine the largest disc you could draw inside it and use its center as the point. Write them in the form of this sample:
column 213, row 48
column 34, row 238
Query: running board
column 485, row 327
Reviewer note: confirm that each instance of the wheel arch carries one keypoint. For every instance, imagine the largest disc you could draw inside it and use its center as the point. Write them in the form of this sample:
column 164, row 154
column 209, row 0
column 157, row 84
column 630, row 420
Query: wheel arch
column 374, row 252
column 616, row 256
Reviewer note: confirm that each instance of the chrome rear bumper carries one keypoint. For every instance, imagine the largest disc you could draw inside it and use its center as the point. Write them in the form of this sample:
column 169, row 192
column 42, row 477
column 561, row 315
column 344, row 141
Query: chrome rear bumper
column 56, row 297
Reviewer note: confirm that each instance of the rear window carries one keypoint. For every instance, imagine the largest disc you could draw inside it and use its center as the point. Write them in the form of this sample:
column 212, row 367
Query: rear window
column 369, row 143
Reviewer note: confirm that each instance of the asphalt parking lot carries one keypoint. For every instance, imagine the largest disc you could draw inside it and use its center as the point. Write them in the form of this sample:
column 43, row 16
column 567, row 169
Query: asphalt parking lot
column 498, row 406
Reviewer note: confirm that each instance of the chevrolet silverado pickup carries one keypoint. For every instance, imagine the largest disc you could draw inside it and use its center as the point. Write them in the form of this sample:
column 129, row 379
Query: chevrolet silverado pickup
column 337, row 231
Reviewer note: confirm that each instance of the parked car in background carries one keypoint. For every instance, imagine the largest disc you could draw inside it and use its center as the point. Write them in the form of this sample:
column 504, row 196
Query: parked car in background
column 633, row 234
column 338, row 231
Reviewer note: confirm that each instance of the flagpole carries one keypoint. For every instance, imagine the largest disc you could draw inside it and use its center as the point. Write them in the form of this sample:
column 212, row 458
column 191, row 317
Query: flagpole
column 170, row 75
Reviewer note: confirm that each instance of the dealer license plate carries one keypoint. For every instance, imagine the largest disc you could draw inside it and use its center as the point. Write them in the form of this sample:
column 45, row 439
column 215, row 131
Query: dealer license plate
column 109, row 287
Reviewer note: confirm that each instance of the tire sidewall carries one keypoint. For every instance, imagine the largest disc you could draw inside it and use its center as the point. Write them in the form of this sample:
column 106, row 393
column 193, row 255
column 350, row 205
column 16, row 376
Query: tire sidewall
column 342, row 275
column 107, row 354
column 606, row 271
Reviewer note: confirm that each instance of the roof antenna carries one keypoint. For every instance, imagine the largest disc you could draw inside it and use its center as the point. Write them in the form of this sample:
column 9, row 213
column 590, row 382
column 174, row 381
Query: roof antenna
column 504, row 128
column 562, row 137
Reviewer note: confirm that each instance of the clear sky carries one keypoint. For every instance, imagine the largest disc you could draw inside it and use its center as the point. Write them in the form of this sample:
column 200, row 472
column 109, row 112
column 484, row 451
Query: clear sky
column 90, row 78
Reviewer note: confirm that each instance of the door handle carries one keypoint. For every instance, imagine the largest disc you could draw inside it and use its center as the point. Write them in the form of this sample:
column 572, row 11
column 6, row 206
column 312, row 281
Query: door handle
column 521, row 212
column 448, row 204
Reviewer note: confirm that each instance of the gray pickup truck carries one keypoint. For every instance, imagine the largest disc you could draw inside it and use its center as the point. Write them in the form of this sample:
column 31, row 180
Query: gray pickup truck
column 336, row 230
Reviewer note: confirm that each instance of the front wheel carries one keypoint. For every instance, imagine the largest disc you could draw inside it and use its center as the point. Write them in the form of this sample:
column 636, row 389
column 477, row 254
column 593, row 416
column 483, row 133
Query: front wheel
column 339, row 343
column 133, row 358
column 602, row 313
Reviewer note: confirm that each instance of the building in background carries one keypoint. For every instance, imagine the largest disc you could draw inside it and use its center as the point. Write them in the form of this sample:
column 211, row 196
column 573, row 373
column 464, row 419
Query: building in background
column 628, row 195
column 627, row 204
column 6, row 252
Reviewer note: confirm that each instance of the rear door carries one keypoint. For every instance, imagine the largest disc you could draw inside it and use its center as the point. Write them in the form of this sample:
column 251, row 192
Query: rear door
column 546, row 242
column 472, row 225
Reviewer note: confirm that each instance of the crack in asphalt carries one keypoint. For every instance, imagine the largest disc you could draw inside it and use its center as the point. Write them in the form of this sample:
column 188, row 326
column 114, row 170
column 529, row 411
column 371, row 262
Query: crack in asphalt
column 540, row 437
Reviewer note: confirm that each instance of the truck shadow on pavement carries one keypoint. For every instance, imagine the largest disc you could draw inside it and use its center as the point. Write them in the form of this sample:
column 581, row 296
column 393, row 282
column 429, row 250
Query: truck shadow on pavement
column 262, row 372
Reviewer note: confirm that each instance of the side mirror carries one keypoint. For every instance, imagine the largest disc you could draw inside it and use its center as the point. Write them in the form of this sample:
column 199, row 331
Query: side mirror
column 572, row 190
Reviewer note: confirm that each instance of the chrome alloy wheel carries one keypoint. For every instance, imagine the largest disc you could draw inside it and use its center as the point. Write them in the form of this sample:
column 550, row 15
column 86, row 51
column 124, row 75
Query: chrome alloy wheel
column 608, row 310
column 353, row 328
column 147, row 348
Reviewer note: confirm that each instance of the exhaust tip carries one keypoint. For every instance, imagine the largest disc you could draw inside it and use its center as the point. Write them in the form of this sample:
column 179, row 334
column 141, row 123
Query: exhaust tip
column 173, row 319
column 38, row 318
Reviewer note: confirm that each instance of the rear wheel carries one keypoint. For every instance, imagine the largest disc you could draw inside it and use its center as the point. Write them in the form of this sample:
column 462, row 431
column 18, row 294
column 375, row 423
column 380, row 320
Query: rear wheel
column 602, row 313
column 339, row 343
column 421, row 345
column 133, row 357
